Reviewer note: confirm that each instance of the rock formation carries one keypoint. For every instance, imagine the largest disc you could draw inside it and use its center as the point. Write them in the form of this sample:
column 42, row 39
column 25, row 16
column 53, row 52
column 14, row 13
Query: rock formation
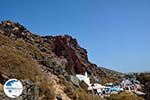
column 25, row 55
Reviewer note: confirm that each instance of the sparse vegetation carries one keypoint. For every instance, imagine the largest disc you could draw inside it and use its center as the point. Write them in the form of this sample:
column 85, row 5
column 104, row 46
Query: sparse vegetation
column 68, row 89
column 83, row 85
column 144, row 78
column 124, row 96
column 83, row 95
column 23, row 55
column 17, row 64
column 80, row 93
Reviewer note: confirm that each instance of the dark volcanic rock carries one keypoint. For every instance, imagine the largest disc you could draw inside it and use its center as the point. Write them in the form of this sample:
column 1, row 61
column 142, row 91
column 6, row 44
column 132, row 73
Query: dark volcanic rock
column 76, row 56
column 54, row 46
column 59, row 55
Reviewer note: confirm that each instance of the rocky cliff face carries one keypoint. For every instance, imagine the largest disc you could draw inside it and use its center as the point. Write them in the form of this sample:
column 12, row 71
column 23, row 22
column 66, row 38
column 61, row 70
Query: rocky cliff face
column 64, row 49
column 28, row 56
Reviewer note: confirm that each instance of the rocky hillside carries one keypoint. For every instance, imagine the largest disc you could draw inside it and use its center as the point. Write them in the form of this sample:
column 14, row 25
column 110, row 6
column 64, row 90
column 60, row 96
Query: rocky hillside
column 40, row 59
column 65, row 48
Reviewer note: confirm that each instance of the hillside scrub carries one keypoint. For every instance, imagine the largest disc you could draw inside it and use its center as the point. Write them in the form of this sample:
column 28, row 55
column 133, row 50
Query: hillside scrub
column 144, row 78
column 26, row 56
column 124, row 96
column 83, row 95
column 16, row 64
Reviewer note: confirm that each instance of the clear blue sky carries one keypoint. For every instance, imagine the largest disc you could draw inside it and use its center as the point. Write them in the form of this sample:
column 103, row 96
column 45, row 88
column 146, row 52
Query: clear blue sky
column 116, row 33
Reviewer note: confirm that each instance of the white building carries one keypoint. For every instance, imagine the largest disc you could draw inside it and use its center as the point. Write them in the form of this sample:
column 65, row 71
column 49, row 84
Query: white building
column 84, row 78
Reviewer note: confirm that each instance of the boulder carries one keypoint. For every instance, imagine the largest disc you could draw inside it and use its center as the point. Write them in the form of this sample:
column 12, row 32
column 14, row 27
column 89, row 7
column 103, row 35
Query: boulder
column 74, row 80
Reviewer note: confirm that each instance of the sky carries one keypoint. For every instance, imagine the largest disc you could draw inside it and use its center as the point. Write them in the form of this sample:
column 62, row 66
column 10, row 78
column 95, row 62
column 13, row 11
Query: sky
column 116, row 33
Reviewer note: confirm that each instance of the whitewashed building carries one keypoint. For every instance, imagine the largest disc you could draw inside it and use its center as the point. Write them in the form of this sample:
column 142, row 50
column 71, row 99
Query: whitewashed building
column 84, row 78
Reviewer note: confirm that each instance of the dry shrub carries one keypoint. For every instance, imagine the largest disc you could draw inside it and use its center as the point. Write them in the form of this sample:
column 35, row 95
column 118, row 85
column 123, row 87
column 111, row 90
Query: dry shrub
column 46, row 87
column 77, row 93
column 83, row 85
column 83, row 95
column 5, row 41
column 16, row 64
column 124, row 96
column 69, row 90
column 20, row 66
column 28, row 48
